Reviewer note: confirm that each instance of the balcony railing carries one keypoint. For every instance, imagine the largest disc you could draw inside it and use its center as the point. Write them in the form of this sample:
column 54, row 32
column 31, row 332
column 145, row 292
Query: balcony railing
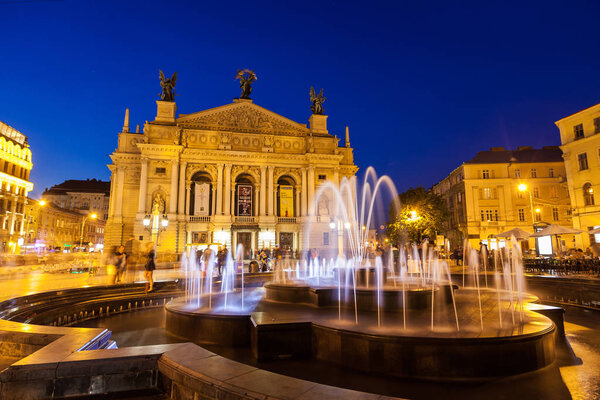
column 245, row 220
column 286, row 220
column 199, row 218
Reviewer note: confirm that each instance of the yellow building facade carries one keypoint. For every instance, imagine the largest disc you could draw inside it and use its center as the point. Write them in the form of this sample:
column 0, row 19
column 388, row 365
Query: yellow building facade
column 580, row 143
column 484, row 199
column 234, row 174
column 15, row 167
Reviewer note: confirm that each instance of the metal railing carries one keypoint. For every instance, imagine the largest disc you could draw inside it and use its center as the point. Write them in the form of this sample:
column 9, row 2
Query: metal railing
column 563, row 266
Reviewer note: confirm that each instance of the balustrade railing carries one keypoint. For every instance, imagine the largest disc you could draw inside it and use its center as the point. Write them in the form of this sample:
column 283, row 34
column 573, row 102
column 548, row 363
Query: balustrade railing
column 199, row 218
column 286, row 220
column 245, row 219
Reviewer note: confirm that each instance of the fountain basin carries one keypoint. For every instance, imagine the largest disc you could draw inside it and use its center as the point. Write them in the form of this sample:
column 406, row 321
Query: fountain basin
column 391, row 298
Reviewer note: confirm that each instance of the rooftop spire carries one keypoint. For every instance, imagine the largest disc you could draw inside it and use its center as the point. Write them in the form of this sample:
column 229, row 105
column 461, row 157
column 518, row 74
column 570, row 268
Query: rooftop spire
column 126, row 121
column 347, row 137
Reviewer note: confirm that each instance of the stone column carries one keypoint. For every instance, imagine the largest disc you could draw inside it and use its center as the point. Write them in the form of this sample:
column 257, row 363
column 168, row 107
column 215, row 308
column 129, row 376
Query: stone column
column 275, row 190
column 188, row 194
column 227, row 205
column 173, row 192
column 121, row 180
column 263, row 190
column 113, row 189
column 219, row 189
column 297, row 208
column 214, row 198
column 303, row 209
column 182, row 171
column 311, row 191
column 270, row 191
column 233, row 201
column 257, row 195
column 143, row 188
column 336, row 177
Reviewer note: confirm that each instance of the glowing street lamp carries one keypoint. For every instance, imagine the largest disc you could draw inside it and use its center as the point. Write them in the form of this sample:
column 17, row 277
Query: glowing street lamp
column 92, row 216
column 523, row 188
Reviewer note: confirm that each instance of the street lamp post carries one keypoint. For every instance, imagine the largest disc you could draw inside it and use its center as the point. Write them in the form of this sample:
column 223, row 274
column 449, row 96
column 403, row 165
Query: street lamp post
column 155, row 223
column 92, row 216
column 523, row 188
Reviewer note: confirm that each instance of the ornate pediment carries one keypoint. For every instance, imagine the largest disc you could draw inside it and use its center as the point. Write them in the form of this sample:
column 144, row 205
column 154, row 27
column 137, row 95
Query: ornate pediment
column 242, row 117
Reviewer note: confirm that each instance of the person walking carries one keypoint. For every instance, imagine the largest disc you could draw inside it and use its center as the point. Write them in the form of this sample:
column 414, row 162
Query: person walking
column 149, row 267
column 120, row 264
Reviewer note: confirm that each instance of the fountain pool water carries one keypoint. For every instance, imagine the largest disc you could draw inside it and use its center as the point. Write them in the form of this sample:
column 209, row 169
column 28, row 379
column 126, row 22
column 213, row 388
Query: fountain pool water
column 398, row 312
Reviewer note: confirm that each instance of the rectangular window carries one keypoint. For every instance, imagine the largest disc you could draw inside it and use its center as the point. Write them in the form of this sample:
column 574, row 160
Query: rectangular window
column 551, row 172
column 485, row 174
column 578, row 131
column 161, row 170
column 596, row 125
column 459, row 197
column 522, row 214
column 517, row 173
column 487, row 193
column 322, row 177
column 533, row 173
column 553, row 192
column 325, row 238
column 582, row 159
column 555, row 213
column 536, row 192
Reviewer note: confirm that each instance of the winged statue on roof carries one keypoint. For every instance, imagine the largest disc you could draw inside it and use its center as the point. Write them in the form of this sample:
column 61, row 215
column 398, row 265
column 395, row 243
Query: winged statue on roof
column 168, row 87
column 317, row 101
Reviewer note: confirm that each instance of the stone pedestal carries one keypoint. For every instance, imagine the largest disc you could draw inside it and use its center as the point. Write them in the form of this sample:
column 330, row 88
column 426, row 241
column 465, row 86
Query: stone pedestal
column 165, row 112
column 318, row 123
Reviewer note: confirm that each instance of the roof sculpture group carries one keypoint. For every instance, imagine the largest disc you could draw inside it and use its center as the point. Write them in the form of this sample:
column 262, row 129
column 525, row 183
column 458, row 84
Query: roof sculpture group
column 246, row 77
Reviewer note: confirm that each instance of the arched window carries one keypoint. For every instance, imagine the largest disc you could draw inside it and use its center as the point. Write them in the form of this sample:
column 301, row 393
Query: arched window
column 244, row 196
column 588, row 194
column 286, row 195
column 201, row 195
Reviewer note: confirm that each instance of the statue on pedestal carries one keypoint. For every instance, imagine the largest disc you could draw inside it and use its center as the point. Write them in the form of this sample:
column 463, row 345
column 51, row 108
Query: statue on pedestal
column 168, row 87
column 247, row 78
column 317, row 101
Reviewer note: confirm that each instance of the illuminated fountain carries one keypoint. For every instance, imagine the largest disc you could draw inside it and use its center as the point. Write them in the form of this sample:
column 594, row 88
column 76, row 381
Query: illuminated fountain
column 399, row 313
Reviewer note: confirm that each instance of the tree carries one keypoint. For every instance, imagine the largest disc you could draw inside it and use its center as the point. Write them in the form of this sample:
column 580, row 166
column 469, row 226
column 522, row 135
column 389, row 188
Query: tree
column 422, row 214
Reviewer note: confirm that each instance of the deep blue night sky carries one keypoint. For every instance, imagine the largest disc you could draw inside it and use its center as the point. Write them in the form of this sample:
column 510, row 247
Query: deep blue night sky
column 422, row 85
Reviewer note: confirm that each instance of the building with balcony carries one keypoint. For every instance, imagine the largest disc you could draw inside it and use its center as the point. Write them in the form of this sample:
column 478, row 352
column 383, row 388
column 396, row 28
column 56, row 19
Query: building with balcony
column 484, row 199
column 84, row 196
column 580, row 143
column 234, row 174
column 15, row 167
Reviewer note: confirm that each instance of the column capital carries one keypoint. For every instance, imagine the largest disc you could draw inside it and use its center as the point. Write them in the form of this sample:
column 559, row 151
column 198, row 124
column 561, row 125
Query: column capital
column 263, row 167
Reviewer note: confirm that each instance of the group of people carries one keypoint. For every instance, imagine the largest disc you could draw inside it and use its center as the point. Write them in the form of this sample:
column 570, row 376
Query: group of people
column 117, row 265
column 205, row 255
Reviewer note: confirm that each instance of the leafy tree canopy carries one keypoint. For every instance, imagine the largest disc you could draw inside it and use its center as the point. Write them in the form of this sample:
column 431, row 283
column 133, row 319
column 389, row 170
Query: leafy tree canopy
column 422, row 213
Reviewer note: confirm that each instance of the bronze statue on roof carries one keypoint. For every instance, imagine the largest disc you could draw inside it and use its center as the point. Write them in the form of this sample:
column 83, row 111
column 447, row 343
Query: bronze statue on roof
column 317, row 101
column 247, row 77
column 168, row 87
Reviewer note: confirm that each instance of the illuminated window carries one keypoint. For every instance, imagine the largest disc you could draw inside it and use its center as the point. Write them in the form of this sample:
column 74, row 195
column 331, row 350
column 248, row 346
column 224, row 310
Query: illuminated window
column 487, row 193
column 582, row 160
column 578, row 131
column 517, row 173
column 588, row 194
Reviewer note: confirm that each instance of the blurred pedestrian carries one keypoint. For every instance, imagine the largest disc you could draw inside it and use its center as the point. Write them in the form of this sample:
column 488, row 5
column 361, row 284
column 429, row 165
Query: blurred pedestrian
column 149, row 267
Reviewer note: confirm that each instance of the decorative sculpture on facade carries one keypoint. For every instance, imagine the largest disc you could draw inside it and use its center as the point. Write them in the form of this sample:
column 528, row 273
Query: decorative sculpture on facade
column 317, row 101
column 247, row 77
column 158, row 204
column 168, row 87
